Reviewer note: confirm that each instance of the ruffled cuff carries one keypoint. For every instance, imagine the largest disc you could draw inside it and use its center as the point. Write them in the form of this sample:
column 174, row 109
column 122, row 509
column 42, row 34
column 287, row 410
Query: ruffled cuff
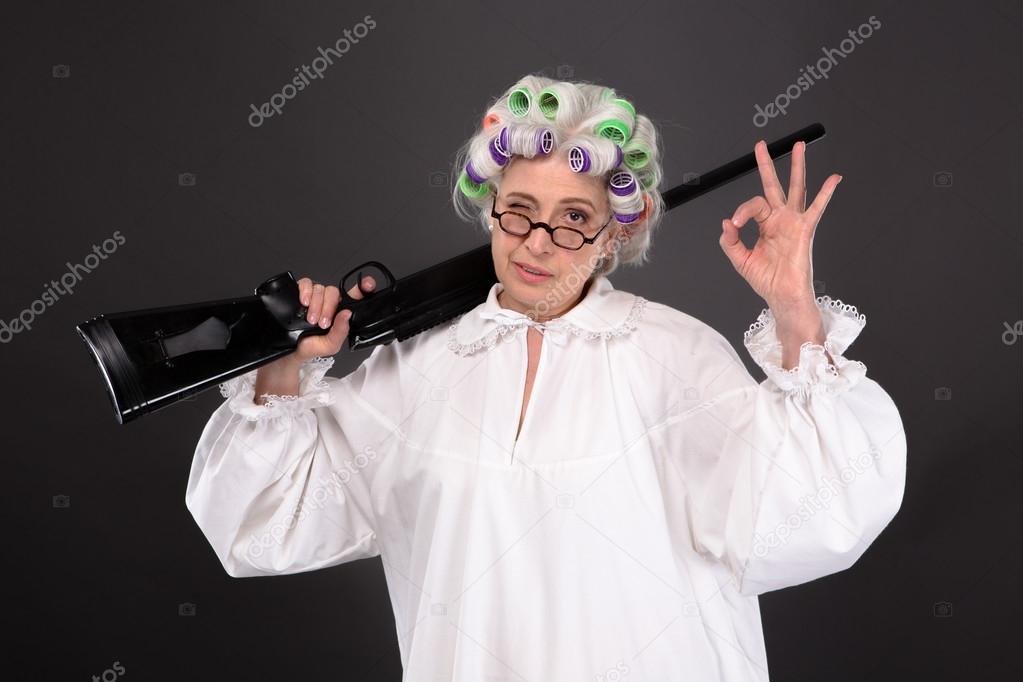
column 313, row 391
column 842, row 324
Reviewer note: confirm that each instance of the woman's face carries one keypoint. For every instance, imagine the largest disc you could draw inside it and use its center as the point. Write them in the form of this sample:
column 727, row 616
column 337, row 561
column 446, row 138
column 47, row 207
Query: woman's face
column 545, row 189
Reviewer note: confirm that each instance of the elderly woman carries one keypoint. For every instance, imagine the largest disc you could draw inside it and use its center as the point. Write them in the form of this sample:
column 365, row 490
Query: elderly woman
column 569, row 481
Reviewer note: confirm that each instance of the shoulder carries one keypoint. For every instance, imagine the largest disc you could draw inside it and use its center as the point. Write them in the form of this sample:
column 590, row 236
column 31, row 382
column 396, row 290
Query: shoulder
column 669, row 324
column 412, row 356
column 669, row 332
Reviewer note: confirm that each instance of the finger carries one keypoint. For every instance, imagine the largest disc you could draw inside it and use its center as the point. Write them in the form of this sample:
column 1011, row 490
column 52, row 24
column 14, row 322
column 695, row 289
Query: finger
column 368, row 284
column 305, row 286
column 797, row 177
column 330, row 298
column 315, row 303
column 772, row 187
column 733, row 247
column 338, row 332
column 820, row 202
column 756, row 208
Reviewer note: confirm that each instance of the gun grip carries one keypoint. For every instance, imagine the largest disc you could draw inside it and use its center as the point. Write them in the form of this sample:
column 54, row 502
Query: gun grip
column 280, row 296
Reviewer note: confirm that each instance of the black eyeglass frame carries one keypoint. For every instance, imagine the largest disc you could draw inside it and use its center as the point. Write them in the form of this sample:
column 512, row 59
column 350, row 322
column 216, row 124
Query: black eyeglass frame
column 545, row 226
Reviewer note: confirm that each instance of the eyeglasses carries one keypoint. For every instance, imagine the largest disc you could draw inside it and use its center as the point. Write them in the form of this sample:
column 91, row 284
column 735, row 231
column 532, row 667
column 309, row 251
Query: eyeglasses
column 519, row 225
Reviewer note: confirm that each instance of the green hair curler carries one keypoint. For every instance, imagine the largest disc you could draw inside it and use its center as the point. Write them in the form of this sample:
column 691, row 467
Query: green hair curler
column 635, row 155
column 646, row 178
column 470, row 188
column 625, row 104
column 547, row 100
column 519, row 101
column 613, row 129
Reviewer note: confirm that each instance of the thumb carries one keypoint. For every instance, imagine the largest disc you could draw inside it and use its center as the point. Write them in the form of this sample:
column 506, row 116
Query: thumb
column 730, row 243
column 339, row 330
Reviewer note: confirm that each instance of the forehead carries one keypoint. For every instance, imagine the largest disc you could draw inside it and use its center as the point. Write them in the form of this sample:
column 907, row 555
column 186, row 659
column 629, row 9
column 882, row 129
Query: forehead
column 550, row 180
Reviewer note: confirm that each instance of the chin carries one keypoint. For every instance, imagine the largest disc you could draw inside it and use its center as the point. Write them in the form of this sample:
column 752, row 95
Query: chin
column 523, row 292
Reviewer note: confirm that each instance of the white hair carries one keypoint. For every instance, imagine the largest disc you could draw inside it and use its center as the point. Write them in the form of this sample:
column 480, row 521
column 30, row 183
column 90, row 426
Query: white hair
column 577, row 116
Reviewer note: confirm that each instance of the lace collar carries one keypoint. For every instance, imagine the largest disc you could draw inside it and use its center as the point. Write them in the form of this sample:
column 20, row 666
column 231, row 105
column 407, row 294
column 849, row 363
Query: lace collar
column 603, row 313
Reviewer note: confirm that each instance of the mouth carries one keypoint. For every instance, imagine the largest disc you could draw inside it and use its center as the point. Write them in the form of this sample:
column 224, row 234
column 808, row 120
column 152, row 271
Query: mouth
column 537, row 274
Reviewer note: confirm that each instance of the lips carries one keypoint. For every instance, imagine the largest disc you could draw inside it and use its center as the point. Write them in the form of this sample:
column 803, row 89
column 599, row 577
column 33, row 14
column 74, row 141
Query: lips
column 533, row 268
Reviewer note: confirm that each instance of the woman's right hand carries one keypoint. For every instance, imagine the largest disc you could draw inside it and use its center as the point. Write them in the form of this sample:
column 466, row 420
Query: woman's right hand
column 322, row 302
column 281, row 377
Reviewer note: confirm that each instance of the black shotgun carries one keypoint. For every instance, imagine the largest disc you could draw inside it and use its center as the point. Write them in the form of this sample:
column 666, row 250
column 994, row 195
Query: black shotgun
column 155, row 357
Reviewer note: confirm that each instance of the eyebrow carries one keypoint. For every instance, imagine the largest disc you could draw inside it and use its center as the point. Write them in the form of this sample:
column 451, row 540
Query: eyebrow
column 566, row 200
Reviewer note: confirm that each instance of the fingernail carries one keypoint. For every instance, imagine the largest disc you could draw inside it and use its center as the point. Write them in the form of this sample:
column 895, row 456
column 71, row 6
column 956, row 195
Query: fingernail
column 311, row 318
column 840, row 178
column 735, row 222
column 324, row 322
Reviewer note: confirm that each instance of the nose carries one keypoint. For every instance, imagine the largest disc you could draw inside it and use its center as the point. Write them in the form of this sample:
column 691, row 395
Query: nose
column 539, row 241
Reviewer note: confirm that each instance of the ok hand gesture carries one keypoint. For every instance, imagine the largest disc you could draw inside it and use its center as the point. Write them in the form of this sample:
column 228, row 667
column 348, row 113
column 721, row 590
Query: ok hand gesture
column 779, row 266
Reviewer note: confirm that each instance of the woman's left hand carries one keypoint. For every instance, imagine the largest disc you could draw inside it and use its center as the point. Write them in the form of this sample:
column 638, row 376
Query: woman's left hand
column 779, row 267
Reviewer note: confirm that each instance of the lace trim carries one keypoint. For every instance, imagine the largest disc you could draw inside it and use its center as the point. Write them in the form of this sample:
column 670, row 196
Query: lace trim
column 490, row 339
column 314, row 391
column 813, row 372
column 271, row 399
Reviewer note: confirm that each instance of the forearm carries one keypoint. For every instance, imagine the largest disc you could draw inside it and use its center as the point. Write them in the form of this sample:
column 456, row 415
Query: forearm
column 280, row 377
column 796, row 326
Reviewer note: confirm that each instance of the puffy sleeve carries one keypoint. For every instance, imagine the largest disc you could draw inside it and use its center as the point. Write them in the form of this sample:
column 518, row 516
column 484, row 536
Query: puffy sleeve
column 290, row 485
column 793, row 478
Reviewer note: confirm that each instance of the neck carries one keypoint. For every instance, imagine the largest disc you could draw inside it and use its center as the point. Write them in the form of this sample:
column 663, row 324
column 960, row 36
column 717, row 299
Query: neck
column 548, row 318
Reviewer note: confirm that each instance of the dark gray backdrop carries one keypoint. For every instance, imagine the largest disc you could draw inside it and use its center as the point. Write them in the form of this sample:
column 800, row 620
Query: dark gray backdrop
column 108, row 109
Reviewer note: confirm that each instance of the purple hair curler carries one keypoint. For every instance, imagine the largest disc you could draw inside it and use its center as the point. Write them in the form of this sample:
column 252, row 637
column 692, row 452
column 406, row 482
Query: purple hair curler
column 623, row 183
column 496, row 154
column 578, row 159
column 471, row 172
column 619, row 155
column 502, row 142
column 545, row 141
column 625, row 218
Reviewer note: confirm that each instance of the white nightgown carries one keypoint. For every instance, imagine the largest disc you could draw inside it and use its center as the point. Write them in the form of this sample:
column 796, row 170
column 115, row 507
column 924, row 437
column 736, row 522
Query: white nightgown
column 654, row 491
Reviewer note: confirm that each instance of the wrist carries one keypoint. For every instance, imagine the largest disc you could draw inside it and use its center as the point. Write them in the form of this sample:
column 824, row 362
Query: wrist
column 289, row 364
